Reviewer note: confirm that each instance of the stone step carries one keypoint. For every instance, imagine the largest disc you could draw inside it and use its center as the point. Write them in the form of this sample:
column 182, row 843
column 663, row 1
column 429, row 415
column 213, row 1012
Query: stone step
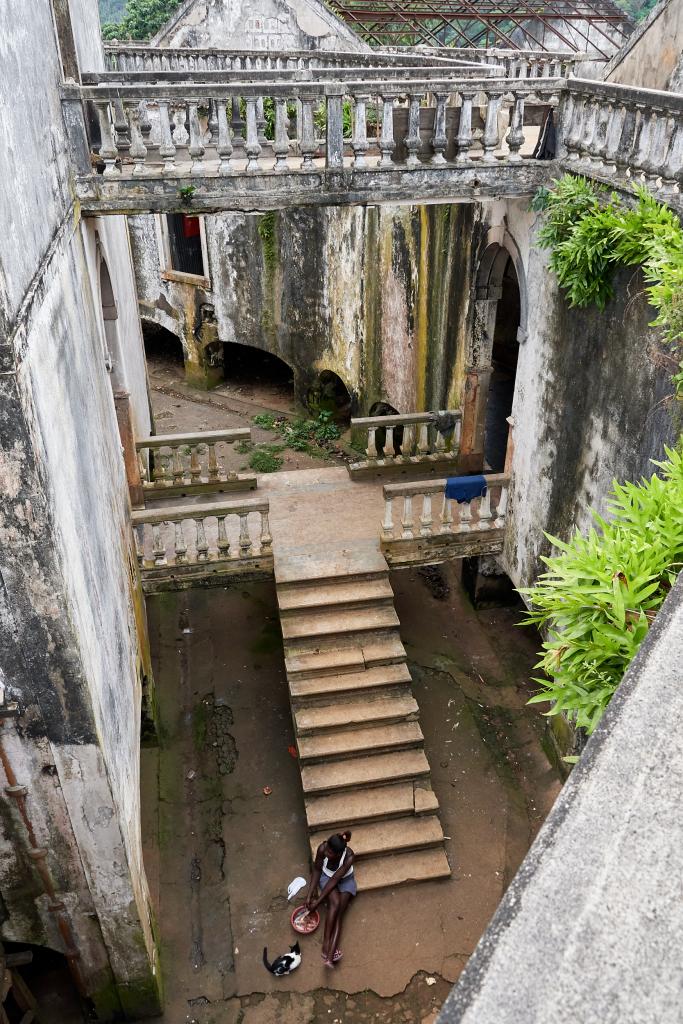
column 362, row 772
column 401, row 707
column 396, row 835
column 402, row 868
column 360, row 561
column 363, row 805
column 311, row 625
column 345, row 685
column 327, row 657
column 346, row 593
column 354, row 742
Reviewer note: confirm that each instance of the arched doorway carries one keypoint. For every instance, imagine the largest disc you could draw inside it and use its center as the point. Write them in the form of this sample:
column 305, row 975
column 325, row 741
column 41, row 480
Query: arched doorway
column 503, row 371
column 163, row 348
column 330, row 394
column 499, row 324
column 259, row 371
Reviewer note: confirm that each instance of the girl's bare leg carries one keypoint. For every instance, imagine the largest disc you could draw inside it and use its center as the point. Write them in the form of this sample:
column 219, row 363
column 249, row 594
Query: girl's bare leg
column 330, row 923
column 344, row 900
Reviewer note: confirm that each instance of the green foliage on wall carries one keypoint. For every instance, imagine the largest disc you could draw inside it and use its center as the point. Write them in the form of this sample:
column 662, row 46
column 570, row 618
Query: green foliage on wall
column 591, row 232
column 141, row 20
column 111, row 10
column 602, row 591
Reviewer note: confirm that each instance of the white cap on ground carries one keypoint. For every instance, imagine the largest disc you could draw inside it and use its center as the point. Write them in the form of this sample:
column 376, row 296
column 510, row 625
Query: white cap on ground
column 295, row 886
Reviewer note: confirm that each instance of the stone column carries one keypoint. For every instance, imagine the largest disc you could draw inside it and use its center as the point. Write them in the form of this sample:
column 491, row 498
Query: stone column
column 130, row 458
column 478, row 377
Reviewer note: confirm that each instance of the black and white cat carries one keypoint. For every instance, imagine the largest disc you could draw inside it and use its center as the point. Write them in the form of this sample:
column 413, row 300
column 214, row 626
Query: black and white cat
column 284, row 964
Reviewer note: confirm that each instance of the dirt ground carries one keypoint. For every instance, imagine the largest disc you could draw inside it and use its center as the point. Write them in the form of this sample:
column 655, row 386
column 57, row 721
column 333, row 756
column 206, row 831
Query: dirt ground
column 220, row 854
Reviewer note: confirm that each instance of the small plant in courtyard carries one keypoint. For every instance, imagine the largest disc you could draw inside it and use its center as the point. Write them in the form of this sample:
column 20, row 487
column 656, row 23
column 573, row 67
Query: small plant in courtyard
column 266, row 458
column 313, row 436
column 602, row 591
column 265, row 420
column 591, row 232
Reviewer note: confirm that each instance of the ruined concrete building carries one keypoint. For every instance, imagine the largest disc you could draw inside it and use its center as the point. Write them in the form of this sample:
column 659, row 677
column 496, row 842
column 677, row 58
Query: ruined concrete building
column 257, row 175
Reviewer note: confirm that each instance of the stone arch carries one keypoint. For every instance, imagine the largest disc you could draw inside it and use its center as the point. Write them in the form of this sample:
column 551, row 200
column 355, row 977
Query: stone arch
column 161, row 334
column 500, row 270
column 330, row 393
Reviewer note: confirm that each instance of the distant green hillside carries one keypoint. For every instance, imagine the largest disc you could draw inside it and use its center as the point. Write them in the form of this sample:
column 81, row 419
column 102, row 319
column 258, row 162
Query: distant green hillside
column 638, row 9
column 111, row 10
column 136, row 19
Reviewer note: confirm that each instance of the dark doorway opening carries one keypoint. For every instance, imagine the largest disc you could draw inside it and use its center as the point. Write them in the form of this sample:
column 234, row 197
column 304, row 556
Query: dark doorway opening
column 48, row 980
column 249, row 367
column 331, row 395
column 161, row 345
column 504, row 362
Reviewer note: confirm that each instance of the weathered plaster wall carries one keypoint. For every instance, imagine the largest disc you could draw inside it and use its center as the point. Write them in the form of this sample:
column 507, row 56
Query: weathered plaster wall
column 590, row 404
column 85, row 19
column 258, row 25
column 652, row 54
column 380, row 295
column 69, row 649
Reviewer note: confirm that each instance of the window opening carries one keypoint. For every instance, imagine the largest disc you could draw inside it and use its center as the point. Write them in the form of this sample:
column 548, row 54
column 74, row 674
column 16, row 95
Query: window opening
column 185, row 248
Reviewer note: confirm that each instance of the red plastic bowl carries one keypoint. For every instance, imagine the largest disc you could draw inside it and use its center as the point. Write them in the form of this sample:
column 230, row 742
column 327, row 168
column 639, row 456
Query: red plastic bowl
column 304, row 921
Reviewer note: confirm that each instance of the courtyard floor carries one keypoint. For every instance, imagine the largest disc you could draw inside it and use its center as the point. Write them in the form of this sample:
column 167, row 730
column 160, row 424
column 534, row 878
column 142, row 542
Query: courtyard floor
column 220, row 853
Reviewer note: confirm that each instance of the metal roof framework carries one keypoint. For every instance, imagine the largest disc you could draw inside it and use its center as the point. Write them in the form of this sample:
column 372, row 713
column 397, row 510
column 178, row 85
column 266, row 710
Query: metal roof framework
column 486, row 23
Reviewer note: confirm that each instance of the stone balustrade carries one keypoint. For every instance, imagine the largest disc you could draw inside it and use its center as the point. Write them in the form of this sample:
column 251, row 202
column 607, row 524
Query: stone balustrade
column 399, row 443
column 132, row 58
column 625, row 136
column 330, row 141
column 422, row 525
column 184, row 464
column 179, row 545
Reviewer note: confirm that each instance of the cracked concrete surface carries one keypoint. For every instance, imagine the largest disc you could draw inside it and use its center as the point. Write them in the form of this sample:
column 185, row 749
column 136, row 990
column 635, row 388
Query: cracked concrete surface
column 220, row 853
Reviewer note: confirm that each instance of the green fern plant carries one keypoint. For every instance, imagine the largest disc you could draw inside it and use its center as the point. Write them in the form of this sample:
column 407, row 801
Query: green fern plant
column 601, row 592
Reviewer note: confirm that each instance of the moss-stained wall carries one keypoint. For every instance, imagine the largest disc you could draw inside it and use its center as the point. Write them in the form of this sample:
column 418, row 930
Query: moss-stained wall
column 379, row 294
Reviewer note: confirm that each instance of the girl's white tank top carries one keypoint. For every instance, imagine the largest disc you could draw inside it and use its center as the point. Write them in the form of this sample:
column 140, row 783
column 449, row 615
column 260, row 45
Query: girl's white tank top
column 329, row 873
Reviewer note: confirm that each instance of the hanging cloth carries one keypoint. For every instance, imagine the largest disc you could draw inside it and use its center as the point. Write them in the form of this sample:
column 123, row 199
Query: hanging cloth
column 465, row 488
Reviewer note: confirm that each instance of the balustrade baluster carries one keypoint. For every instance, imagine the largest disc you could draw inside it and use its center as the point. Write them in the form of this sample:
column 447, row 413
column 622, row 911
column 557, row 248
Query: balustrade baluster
column 386, row 141
column 252, row 148
column 335, row 133
column 439, row 442
column 359, row 140
column 388, row 453
column 145, row 123
column 161, row 468
column 196, row 149
column 575, row 124
column 673, row 161
column 446, row 515
column 407, row 520
column 515, row 136
column 214, row 474
column 195, row 464
column 426, row 520
column 501, row 508
column 408, row 442
column 142, row 465
column 412, row 139
column 177, row 466
column 308, row 145
column 643, row 140
column 167, row 148
column 108, row 151
column 490, row 140
column 266, row 539
column 388, row 521
column 224, row 148
column 139, row 535
column 180, row 547
column 158, row 546
column 603, row 119
column 223, row 544
column 484, row 516
column 202, row 543
column 371, row 450
column 439, row 139
column 627, row 139
column 614, row 129
column 423, row 445
column 281, row 142
column 652, row 164
column 465, row 517
column 121, row 129
column 463, row 139
column 261, row 122
column 245, row 539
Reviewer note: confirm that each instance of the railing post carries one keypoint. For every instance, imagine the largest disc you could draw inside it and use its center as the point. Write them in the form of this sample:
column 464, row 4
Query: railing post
column 266, row 539
column 407, row 518
column 308, row 145
column 490, row 137
column 388, row 522
column 245, row 539
column 167, row 148
column 224, row 148
column 386, row 141
column 359, row 141
column 281, row 141
column 515, row 137
column 463, row 139
column 252, row 148
column 412, row 139
column 108, row 151
column 371, row 450
column 426, row 520
column 196, row 149
column 439, row 139
column 335, row 132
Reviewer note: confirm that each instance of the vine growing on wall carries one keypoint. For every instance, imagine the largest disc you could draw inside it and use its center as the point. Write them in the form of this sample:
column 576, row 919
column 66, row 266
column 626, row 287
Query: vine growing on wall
column 592, row 232
column 602, row 591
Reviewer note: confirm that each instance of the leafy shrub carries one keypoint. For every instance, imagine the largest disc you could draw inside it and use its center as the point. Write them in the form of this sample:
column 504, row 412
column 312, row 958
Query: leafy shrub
column 266, row 458
column 602, row 591
column 142, row 19
column 590, row 235
column 265, row 420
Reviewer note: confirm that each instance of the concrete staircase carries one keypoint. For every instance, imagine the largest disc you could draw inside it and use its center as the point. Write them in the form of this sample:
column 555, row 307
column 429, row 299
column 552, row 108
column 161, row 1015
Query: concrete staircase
column 355, row 718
